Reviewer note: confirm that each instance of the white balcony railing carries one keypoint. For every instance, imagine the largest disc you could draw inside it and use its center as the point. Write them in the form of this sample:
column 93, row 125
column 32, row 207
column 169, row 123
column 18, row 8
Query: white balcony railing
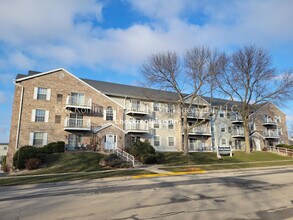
column 236, row 118
column 141, row 126
column 72, row 101
column 200, row 131
column 77, row 124
column 271, row 134
column 268, row 121
column 137, row 109
column 238, row 133
column 199, row 147
column 198, row 114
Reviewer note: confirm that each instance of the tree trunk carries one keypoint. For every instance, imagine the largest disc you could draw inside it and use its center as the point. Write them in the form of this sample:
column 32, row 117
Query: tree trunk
column 185, row 136
column 246, row 135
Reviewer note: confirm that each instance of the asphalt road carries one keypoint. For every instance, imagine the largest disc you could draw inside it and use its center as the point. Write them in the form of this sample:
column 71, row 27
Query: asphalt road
column 258, row 194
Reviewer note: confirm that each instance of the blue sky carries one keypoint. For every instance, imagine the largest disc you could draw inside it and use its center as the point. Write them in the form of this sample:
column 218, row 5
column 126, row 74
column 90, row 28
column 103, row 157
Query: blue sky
column 109, row 40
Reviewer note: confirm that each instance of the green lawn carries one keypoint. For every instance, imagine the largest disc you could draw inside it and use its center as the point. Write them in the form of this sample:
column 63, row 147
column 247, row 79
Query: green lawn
column 22, row 180
column 199, row 158
column 70, row 162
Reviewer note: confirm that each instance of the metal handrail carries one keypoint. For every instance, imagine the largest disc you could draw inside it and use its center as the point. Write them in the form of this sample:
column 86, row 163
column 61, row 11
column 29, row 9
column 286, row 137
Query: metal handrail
column 123, row 155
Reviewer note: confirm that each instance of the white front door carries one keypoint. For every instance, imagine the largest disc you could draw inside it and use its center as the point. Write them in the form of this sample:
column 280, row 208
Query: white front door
column 110, row 141
column 257, row 144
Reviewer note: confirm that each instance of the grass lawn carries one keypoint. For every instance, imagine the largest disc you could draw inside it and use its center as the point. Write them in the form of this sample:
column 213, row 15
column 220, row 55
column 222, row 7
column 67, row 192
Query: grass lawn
column 22, row 180
column 199, row 158
column 70, row 162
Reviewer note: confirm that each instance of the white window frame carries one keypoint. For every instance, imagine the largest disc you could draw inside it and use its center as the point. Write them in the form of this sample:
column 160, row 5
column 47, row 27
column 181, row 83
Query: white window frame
column 34, row 115
column 156, row 122
column 168, row 139
column 37, row 93
column 222, row 141
column 223, row 125
column 159, row 140
column 172, row 123
column 156, row 106
column 32, row 138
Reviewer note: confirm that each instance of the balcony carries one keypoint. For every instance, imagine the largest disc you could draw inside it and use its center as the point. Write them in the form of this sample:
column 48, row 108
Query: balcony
column 77, row 124
column 198, row 115
column 235, row 119
column 137, row 127
column 73, row 102
column 199, row 131
column 269, row 122
column 238, row 133
column 141, row 109
column 271, row 134
column 199, row 147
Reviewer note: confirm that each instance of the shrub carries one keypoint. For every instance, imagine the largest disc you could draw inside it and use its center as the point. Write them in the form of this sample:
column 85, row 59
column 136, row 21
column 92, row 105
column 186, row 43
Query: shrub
column 33, row 163
column 139, row 149
column 54, row 147
column 25, row 153
column 285, row 146
column 149, row 159
column 145, row 153
column 113, row 161
column 3, row 162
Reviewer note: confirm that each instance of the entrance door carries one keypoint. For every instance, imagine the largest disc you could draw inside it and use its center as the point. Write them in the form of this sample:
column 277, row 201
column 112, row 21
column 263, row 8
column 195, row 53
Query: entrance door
column 110, row 141
column 257, row 144
column 73, row 141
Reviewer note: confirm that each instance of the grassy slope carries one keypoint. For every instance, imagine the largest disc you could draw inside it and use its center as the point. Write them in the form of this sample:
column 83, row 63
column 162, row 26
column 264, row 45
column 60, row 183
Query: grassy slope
column 177, row 159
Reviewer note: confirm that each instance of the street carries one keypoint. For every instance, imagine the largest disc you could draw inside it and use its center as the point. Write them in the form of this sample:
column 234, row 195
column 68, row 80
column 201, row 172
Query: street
column 252, row 194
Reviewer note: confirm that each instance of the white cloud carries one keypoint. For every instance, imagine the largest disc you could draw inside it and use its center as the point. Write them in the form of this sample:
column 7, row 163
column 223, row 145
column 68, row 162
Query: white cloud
column 56, row 33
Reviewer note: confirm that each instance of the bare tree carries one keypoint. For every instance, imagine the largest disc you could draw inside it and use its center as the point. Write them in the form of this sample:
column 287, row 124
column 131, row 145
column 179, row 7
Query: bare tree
column 191, row 74
column 250, row 79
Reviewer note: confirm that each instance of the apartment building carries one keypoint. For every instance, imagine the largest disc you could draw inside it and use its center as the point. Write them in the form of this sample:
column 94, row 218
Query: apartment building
column 58, row 106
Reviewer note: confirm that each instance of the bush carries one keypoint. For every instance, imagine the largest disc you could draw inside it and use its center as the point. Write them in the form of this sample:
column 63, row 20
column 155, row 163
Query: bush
column 25, row 153
column 54, row 147
column 285, row 146
column 139, row 149
column 160, row 157
column 3, row 162
column 149, row 159
column 114, row 161
column 33, row 163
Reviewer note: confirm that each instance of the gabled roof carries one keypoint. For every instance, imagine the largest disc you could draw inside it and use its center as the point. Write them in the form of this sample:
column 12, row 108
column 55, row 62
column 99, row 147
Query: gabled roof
column 115, row 89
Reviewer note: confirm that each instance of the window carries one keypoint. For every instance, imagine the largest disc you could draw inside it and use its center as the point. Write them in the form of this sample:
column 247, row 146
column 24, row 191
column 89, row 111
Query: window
column 42, row 93
column 223, row 141
column 280, row 131
column 38, row 138
column 156, row 141
column 229, row 129
column 170, row 124
column 59, row 97
column 223, row 127
column 171, row 142
column 5, row 148
column 278, row 119
column 170, row 108
column 156, row 123
column 77, row 99
column 228, row 115
column 40, row 115
column 134, row 139
column 156, row 106
column 57, row 119
column 109, row 114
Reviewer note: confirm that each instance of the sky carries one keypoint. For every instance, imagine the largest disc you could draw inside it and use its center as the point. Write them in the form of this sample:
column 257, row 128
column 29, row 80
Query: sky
column 109, row 40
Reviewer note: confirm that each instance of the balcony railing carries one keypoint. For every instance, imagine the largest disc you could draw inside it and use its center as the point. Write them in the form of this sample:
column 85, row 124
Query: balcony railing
column 77, row 124
column 137, row 127
column 238, row 133
column 271, row 134
column 74, row 102
column 269, row 121
column 200, row 131
column 141, row 109
column 197, row 147
column 236, row 118
column 198, row 115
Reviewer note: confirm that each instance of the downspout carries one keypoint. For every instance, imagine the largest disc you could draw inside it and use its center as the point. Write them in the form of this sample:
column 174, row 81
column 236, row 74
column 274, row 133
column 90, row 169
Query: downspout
column 124, row 118
column 19, row 114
